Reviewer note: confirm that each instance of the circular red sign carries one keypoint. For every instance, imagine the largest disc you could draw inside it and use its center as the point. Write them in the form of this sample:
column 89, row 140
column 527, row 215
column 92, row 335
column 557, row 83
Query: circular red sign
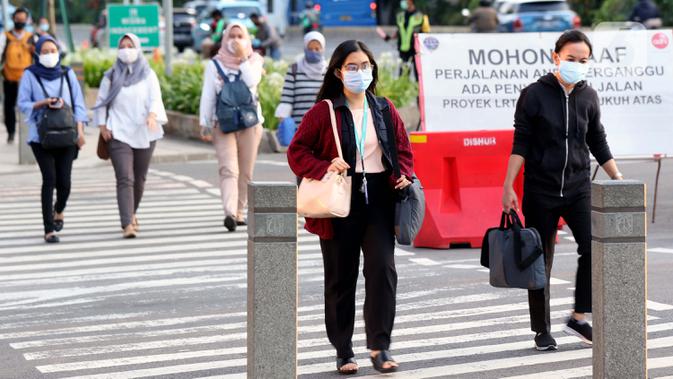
column 660, row 40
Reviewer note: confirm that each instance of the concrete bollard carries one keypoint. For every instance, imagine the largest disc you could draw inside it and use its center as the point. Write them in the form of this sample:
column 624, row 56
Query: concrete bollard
column 272, row 280
column 25, row 153
column 619, row 279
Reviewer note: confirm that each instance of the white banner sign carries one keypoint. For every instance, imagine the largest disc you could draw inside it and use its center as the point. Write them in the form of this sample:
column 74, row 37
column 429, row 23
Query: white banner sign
column 472, row 82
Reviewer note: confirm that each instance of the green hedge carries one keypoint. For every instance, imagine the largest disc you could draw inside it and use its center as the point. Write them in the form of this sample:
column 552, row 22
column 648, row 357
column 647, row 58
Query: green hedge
column 181, row 91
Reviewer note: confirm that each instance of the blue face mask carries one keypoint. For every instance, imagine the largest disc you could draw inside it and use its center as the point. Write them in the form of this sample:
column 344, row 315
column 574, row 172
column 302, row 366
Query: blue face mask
column 44, row 27
column 358, row 81
column 312, row 56
column 573, row 72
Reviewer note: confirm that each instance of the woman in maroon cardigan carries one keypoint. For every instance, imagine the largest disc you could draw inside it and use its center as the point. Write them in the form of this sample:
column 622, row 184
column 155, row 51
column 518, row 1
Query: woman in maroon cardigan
column 370, row 130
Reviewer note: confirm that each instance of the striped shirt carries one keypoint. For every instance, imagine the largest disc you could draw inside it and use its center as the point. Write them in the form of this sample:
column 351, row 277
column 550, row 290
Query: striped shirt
column 298, row 96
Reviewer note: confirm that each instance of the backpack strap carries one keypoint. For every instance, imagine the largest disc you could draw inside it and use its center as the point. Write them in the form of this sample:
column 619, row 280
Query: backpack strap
column 67, row 80
column 224, row 76
column 44, row 91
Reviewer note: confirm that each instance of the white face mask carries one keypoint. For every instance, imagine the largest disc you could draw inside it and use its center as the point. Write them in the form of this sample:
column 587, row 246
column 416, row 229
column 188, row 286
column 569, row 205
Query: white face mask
column 230, row 45
column 49, row 60
column 128, row 55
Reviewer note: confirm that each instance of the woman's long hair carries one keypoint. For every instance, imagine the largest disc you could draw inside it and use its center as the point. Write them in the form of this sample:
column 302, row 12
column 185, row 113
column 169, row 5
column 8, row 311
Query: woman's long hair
column 332, row 86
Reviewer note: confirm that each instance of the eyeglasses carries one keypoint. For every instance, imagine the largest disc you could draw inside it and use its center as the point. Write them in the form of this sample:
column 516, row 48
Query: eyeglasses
column 353, row 67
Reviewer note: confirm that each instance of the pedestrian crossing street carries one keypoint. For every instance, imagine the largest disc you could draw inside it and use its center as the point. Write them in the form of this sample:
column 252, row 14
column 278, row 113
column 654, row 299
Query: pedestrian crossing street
column 171, row 303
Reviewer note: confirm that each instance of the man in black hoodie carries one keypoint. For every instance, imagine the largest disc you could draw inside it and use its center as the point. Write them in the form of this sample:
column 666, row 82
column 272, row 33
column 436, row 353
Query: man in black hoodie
column 557, row 124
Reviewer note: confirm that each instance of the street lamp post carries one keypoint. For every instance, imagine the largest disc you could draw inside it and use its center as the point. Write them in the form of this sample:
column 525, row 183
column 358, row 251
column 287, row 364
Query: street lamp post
column 168, row 43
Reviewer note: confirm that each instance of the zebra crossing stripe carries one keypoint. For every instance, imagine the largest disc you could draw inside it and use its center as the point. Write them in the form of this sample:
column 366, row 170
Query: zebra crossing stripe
column 505, row 363
column 324, row 367
column 228, row 240
column 168, row 322
column 652, row 364
column 166, row 370
column 75, row 203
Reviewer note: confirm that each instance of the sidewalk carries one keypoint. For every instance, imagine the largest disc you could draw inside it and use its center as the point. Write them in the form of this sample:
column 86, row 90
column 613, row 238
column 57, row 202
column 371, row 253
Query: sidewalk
column 167, row 150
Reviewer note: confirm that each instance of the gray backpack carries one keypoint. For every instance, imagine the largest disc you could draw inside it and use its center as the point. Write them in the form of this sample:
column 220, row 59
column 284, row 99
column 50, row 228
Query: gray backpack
column 236, row 107
column 514, row 255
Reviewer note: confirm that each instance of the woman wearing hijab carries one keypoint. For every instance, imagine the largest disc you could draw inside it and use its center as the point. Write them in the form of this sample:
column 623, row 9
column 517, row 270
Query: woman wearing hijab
column 130, row 112
column 236, row 151
column 62, row 88
column 304, row 79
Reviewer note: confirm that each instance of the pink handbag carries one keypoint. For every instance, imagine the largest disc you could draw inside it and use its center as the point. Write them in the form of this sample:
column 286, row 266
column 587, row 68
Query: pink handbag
column 330, row 196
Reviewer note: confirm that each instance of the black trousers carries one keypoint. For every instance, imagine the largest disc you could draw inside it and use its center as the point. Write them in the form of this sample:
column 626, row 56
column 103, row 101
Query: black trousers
column 543, row 213
column 410, row 57
column 11, row 93
column 56, row 167
column 370, row 228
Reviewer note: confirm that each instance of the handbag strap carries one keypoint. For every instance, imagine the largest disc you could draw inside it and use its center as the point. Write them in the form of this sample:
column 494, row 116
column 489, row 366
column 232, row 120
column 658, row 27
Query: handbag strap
column 517, row 226
column 392, row 136
column 332, row 116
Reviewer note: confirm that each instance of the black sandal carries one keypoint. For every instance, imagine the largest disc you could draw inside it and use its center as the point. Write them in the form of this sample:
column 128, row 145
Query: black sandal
column 58, row 225
column 382, row 358
column 51, row 239
column 341, row 362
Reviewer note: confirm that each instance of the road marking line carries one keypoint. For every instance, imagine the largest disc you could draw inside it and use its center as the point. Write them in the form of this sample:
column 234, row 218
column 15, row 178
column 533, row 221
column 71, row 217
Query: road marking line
column 167, row 370
column 102, row 349
column 463, row 266
column 112, row 217
column 19, row 208
column 227, row 240
column 77, row 214
column 272, row 163
column 499, row 364
column 652, row 363
column 69, row 292
column 201, row 184
column 660, row 250
column 424, row 261
column 653, row 305
column 308, row 369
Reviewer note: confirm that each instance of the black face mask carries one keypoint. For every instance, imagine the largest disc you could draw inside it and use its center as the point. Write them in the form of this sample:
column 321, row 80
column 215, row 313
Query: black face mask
column 19, row 25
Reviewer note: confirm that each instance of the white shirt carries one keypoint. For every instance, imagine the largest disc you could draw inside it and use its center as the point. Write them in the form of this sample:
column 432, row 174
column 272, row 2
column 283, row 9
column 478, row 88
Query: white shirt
column 128, row 112
column 251, row 74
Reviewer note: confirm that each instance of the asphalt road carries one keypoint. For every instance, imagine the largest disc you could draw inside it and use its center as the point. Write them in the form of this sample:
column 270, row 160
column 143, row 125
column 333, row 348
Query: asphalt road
column 171, row 304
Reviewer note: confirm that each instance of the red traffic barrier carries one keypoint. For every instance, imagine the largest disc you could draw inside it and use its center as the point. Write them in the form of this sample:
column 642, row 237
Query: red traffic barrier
column 462, row 175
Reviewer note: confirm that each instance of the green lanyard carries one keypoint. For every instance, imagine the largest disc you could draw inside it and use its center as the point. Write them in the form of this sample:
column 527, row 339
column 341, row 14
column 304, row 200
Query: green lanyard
column 361, row 147
column 363, row 135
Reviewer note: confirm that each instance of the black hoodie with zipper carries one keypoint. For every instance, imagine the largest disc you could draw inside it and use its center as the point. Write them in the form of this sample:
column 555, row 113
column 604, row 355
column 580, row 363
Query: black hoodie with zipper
column 554, row 133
